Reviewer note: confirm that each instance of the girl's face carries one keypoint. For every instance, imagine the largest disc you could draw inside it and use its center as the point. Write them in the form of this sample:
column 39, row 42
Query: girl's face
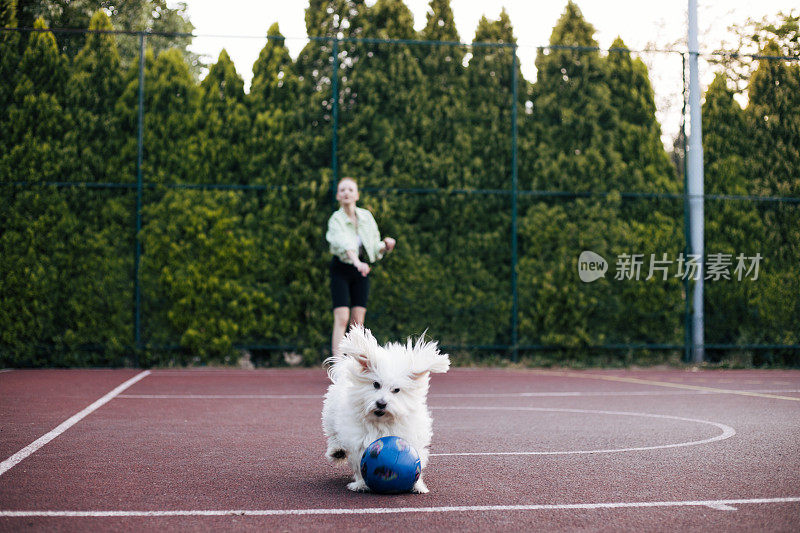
column 347, row 192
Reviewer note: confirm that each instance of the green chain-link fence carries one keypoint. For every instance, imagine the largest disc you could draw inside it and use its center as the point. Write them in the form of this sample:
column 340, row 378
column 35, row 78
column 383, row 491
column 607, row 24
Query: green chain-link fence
column 149, row 218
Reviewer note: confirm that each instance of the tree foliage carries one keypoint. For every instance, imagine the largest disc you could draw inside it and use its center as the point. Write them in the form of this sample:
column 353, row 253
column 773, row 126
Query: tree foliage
column 130, row 15
column 237, row 189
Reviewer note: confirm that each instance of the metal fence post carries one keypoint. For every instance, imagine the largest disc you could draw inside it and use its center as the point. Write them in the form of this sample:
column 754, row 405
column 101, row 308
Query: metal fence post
column 514, row 194
column 335, row 141
column 139, row 157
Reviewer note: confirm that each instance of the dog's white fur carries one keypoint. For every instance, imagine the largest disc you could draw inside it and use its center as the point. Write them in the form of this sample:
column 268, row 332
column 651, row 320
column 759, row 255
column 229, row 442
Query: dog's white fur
column 364, row 376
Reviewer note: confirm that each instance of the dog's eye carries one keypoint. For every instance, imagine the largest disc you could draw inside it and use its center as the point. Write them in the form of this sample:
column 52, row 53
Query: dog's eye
column 395, row 391
column 376, row 384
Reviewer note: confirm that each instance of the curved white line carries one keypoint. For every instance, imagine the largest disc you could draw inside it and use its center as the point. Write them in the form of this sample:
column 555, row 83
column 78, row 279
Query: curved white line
column 727, row 431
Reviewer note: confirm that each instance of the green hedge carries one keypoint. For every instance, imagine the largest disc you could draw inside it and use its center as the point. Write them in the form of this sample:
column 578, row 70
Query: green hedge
column 420, row 126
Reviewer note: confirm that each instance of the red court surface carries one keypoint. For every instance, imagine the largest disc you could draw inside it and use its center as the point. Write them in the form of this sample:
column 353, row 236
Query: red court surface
column 513, row 450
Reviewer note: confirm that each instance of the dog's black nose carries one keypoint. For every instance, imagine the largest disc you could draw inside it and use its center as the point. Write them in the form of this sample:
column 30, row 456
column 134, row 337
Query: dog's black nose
column 381, row 404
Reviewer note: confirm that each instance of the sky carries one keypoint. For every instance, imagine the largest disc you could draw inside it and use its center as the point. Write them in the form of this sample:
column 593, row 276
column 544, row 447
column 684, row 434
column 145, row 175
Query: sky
column 239, row 26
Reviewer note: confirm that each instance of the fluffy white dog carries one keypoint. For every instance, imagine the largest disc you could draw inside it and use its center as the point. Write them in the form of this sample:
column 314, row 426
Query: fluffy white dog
column 379, row 391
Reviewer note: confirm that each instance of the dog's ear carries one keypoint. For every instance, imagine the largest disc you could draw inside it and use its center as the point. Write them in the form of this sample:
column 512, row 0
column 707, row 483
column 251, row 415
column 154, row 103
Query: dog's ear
column 360, row 344
column 426, row 357
column 362, row 359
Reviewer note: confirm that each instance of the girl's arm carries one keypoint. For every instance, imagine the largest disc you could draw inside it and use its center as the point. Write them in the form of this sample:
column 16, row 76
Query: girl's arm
column 362, row 267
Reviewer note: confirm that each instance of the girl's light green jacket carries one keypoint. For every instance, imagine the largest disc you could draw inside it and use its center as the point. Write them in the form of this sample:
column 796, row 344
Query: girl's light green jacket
column 342, row 235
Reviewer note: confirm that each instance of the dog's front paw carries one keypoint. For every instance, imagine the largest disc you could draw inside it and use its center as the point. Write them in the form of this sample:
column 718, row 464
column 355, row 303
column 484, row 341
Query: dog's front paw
column 358, row 486
column 420, row 488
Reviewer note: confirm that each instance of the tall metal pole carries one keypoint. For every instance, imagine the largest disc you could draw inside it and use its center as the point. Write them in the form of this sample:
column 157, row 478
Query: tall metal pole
column 687, row 286
column 695, row 186
column 140, row 151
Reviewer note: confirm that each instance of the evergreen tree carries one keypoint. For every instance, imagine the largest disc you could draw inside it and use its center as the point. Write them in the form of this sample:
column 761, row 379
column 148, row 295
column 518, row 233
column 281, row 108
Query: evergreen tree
column 384, row 92
column 171, row 103
column 275, row 80
column 308, row 168
column 724, row 145
column 290, row 105
column 287, row 220
column 198, row 270
column 730, row 307
column 555, row 308
column 326, row 20
column 781, row 33
column 379, row 132
column 654, row 224
column 280, row 139
column 477, row 103
column 637, row 132
column 223, row 134
column 774, row 165
column 155, row 16
column 171, row 113
column 452, row 134
column 490, row 99
column 58, row 14
column 774, row 95
column 445, row 129
column 131, row 15
column 9, row 53
column 572, row 114
column 594, row 130
column 567, row 100
column 288, row 223
column 93, row 90
column 101, row 300
column 35, row 121
column 37, row 230
column 397, row 134
column 69, row 14
column 222, row 269
column 329, row 18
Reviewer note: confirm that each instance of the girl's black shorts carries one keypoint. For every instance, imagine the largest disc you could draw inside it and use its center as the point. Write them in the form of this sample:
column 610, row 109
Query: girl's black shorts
column 348, row 287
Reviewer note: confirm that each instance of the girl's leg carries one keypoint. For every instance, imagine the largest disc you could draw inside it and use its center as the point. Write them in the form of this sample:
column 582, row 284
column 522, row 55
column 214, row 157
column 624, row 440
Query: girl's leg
column 341, row 317
column 357, row 315
column 359, row 293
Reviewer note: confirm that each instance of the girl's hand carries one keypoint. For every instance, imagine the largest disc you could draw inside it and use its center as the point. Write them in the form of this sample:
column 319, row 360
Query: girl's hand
column 362, row 267
column 389, row 242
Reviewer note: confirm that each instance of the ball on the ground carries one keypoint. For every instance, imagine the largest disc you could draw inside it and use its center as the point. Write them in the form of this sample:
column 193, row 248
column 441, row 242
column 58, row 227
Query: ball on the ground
column 390, row 465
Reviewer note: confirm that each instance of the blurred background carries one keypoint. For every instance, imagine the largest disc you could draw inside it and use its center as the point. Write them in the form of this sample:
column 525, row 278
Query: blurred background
column 164, row 201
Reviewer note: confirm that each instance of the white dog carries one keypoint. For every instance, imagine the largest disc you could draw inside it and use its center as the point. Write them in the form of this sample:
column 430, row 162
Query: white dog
column 378, row 391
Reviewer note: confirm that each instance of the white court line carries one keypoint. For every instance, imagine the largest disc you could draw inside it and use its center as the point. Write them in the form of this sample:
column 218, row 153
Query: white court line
column 464, row 395
column 9, row 463
column 727, row 505
column 727, row 431
column 596, row 393
column 223, row 396
column 172, row 373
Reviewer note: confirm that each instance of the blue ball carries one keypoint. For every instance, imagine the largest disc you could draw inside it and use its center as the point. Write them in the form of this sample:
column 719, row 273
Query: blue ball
column 390, row 465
